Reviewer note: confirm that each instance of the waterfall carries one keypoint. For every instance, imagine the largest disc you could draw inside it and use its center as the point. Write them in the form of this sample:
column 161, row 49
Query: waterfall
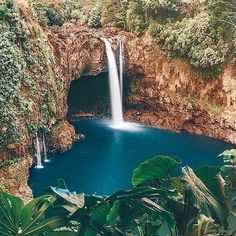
column 121, row 65
column 115, row 91
column 38, row 154
column 45, row 150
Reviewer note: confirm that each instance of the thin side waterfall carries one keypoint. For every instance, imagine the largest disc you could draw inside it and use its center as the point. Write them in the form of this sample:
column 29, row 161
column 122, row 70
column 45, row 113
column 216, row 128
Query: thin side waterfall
column 45, row 150
column 121, row 65
column 115, row 93
column 38, row 154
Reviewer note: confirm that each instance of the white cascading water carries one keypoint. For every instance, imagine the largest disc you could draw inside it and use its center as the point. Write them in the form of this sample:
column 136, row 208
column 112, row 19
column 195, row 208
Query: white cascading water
column 38, row 154
column 45, row 150
column 115, row 92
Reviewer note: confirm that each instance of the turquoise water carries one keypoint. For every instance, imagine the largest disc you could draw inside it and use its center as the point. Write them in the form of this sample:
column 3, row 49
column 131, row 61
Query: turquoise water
column 104, row 161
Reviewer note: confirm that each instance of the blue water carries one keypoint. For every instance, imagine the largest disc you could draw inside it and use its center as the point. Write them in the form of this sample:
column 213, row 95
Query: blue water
column 104, row 161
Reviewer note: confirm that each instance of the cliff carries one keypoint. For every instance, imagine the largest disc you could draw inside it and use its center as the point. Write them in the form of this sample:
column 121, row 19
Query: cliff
column 170, row 94
column 163, row 93
column 30, row 99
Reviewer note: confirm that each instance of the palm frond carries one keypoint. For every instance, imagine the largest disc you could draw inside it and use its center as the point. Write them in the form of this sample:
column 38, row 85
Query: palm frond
column 202, row 197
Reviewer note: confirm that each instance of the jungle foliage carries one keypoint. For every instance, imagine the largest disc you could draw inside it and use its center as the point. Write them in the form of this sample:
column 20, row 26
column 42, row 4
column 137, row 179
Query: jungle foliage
column 191, row 203
column 200, row 32
column 27, row 79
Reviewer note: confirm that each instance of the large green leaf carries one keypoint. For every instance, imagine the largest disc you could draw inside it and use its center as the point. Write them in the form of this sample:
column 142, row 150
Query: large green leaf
column 208, row 175
column 198, row 194
column 158, row 167
column 99, row 214
column 35, row 209
column 229, row 169
column 229, row 155
column 34, row 212
column 10, row 210
column 29, row 219
column 48, row 224
column 136, row 193
column 114, row 212
column 89, row 232
column 159, row 212
column 138, row 202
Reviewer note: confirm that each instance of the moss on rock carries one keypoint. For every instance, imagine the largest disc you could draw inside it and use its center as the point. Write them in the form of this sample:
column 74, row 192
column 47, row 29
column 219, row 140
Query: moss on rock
column 30, row 87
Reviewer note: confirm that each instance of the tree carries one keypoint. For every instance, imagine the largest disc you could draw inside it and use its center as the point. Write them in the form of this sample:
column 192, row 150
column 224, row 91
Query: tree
column 223, row 12
column 112, row 12
column 135, row 20
column 162, row 9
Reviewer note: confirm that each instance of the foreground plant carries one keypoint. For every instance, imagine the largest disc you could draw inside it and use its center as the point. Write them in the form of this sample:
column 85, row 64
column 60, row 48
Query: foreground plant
column 30, row 219
column 121, row 213
column 162, row 201
column 229, row 183
column 190, row 197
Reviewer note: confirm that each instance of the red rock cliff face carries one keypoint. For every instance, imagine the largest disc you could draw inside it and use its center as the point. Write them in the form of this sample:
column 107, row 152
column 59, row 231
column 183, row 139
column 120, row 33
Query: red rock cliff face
column 171, row 95
column 14, row 178
column 166, row 94
column 79, row 52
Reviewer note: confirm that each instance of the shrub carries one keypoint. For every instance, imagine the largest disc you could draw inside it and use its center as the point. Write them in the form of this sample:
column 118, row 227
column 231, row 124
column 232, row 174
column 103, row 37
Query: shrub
column 54, row 17
column 162, row 9
column 51, row 13
column 27, row 80
column 95, row 17
column 153, row 28
column 135, row 20
column 113, row 12
column 11, row 75
column 223, row 14
column 195, row 39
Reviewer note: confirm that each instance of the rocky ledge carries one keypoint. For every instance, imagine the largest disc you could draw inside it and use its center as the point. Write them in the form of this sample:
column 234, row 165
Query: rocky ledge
column 163, row 93
column 14, row 178
column 170, row 94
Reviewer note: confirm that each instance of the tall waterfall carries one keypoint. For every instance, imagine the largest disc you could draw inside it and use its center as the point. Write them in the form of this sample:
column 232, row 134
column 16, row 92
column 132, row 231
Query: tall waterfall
column 115, row 91
column 45, row 150
column 38, row 154
column 121, row 65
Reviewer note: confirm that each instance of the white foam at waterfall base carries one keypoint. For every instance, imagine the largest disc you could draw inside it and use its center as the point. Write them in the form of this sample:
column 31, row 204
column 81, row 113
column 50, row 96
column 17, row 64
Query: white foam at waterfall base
column 115, row 91
column 126, row 126
column 38, row 154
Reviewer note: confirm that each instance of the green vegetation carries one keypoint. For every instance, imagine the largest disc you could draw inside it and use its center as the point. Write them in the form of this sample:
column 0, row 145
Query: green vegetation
column 95, row 17
column 195, row 39
column 201, row 33
column 192, row 203
column 12, row 75
column 19, row 219
column 213, row 108
column 28, row 84
column 58, row 12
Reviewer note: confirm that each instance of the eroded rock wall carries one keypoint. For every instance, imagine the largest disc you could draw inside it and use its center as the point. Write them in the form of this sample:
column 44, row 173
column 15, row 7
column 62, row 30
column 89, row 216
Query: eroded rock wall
column 170, row 94
column 14, row 178
column 163, row 93
column 31, row 95
column 78, row 52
